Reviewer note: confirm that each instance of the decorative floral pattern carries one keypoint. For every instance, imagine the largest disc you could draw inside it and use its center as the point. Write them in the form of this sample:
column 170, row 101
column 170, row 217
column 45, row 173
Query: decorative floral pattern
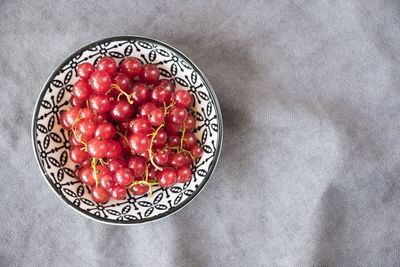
column 51, row 141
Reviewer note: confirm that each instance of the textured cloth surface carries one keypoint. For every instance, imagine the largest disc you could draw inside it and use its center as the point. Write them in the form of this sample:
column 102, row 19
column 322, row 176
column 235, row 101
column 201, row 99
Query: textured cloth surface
column 309, row 171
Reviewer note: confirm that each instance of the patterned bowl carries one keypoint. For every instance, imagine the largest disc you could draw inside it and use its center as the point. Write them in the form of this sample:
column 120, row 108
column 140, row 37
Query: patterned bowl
column 50, row 141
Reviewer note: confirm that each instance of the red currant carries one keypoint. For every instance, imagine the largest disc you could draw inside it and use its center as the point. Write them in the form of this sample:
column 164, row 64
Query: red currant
column 121, row 110
column 82, row 90
column 183, row 174
column 105, row 130
column 167, row 178
column 196, row 151
column 87, row 113
column 99, row 103
column 149, row 74
column 167, row 84
column 86, row 176
column 97, row 148
column 101, row 82
column 189, row 140
column 139, row 189
column 108, row 65
column 160, row 139
column 145, row 109
column 159, row 95
column 118, row 192
column 173, row 128
column 77, row 155
column 75, row 102
column 177, row 115
column 139, row 93
column 174, row 141
column 190, row 123
column 124, row 176
column 69, row 117
column 122, row 80
column 100, row 195
column 85, row 127
column 161, row 157
column 139, row 143
column 176, row 160
column 114, row 149
column 137, row 166
column 182, row 98
column 107, row 182
column 74, row 140
column 140, row 125
column 131, row 66
column 115, row 164
column 156, row 117
column 85, row 70
column 77, row 172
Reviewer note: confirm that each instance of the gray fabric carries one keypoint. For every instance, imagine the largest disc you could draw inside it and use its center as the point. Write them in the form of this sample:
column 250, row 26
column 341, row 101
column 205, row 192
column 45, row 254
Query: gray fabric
column 309, row 172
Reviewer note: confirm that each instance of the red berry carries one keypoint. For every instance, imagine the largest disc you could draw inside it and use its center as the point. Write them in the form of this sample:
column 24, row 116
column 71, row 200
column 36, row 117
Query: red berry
column 105, row 130
column 149, row 74
column 131, row 66
column 124, row 145
column 161, row 157
column 123, row 126
column 87, row 162
column 167, row 84
column 118, row 192
column 122, row 80
column 182, row 98
column 108, row 65
column 99, row 103
column 100, row 195
column 74, row 140
column 69, row 117
column 85, row 127
column 77, row 172
column 107, row 182
column 137, row 166
column 160, row 139
column 100, row 118
column 187, row 159
column 86, row 176
column 139, row 143
column 85, row 70
column 190, row 123
column 101, row 171
column 183, row 174
column 173, row 128
column 114, row 149
column 121, row 110
column 139, row 189
column 156, row 117
column 177, row 115
column 167, row 178
column 97, row 148
column 153, row 173
column 115, row 164
column 100, row 82
column 159, row 95
column 174, row 141
column 140, row 93
column 124, row 176
column 140, row 125
column 189, row 140
column 196, row 151
column 191, row 101
column 82, row 90
column 77, row 155
column 75, row 102
column 145, row 109
column 87, row 113
column 176, row 160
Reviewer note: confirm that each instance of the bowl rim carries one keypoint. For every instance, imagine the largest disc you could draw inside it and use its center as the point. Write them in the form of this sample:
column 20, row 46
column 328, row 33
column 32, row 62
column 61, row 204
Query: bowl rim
column 143, row 220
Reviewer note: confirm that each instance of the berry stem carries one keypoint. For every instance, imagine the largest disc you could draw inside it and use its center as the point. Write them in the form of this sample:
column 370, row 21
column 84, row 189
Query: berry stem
column 122, row 92
column 183, row 133
column 94, row 164
column 166, row 108
column 151, row 146
column 123, row 136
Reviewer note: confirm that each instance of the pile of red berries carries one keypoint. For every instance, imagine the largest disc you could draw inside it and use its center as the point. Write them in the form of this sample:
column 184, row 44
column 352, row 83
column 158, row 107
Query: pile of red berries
column 130, row 130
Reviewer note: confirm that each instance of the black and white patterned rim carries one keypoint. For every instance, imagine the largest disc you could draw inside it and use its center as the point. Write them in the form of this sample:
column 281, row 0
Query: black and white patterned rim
column 117, row 213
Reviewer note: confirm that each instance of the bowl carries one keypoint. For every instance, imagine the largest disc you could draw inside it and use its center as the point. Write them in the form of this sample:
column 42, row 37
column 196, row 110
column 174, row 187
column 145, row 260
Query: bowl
column 51, row 146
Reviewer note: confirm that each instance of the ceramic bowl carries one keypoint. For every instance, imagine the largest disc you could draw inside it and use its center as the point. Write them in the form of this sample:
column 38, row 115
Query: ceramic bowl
column 51, row 146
